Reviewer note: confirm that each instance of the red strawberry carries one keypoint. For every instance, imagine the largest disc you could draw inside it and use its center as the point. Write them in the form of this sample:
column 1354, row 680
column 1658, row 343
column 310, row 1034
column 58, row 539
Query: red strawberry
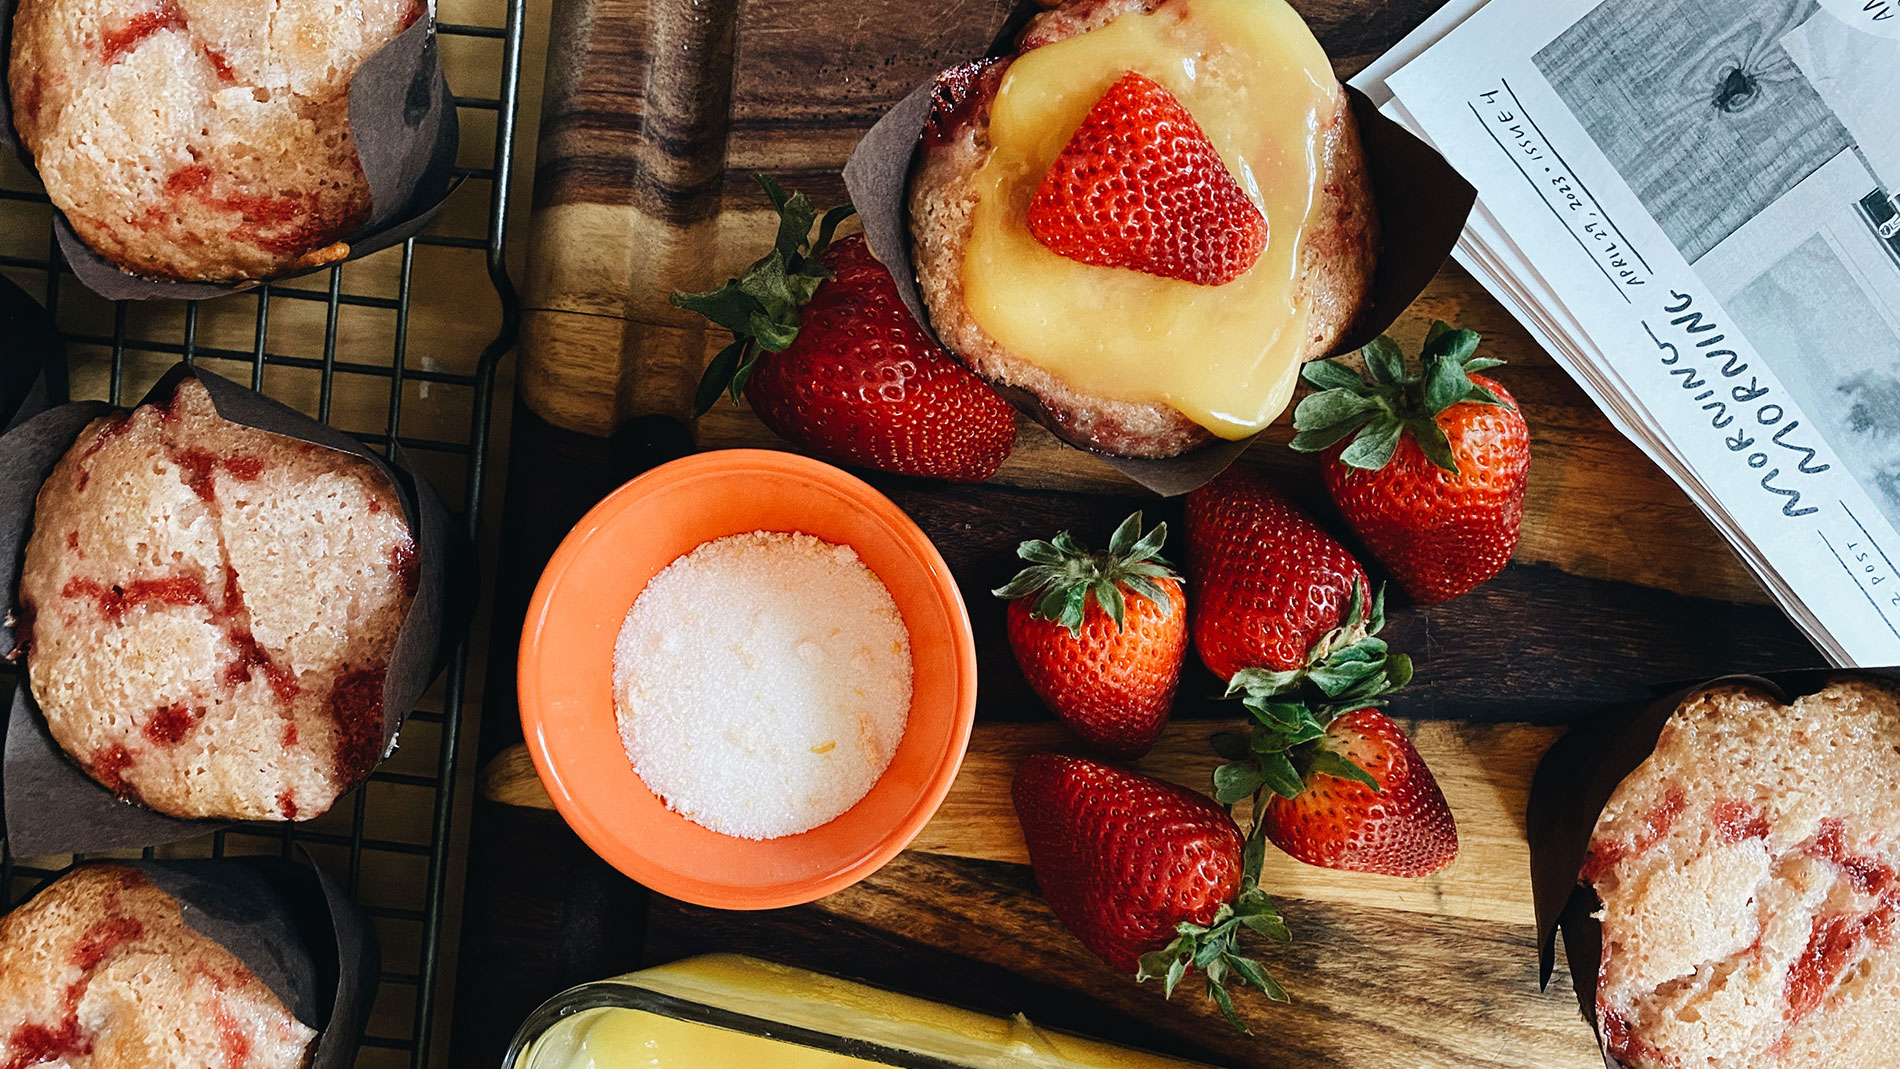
column 832, row 361
column 1101, row 636
column 1140, row 186
column 1433, row 476
column 1268, row 583
column 1404, row 828
column 1149, row 875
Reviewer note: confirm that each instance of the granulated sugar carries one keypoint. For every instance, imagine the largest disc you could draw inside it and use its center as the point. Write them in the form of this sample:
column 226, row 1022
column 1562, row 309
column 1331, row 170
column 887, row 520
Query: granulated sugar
column 763, row 682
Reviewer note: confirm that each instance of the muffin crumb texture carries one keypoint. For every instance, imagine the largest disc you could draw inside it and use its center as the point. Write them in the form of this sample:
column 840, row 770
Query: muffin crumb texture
column 212, row 611
column 100, row 971
column 1747, row 872
column 763, row 682
column 202, row 140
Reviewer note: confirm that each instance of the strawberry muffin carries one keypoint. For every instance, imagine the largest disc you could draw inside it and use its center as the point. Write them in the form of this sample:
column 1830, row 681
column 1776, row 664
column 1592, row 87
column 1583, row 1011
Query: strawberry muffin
column 100, row 971
column 202, row 140
column 211, row 609
column 1146, row 218
column 1747, row 872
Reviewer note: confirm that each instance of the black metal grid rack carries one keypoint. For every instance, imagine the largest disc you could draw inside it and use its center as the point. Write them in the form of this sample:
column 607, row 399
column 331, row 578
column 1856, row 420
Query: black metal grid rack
column 401, row 346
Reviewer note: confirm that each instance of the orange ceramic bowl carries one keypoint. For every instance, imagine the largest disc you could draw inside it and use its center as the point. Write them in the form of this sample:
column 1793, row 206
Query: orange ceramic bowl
column 566, row 676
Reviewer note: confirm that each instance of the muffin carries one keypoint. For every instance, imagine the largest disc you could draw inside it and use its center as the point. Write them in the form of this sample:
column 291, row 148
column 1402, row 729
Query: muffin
column 100, row 971
column 201, row 140
column 1747, row 876
column 211, row 611
column 1117, row 360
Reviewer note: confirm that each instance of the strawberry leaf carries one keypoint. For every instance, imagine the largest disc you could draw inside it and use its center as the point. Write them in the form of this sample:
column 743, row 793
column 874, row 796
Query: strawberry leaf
column 1331, row 375
column 1334, row 407
column 1385, row 361
column 729, row 306
column 771, row 335
column 1323, row 760
column 1235, row 781
column 1232, row 745
column 719, row 376
column 1448, row 342
column 1375, row 445
column 1445, row 381
column 1125, row 536
column 1063, row 575
column 1380, row 408
column 1226, row 1004
column 1277, row 771
column 828, row 226
column 1348, row 668
column 1432, row 441
column 763, row 306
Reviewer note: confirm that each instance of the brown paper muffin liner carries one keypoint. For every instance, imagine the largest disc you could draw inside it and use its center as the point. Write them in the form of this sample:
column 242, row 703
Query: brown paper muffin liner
column 1574, row 782
column 403, row 120
column 295, row 928
column 33, row 362
column 50, row 806
column 1422, row 207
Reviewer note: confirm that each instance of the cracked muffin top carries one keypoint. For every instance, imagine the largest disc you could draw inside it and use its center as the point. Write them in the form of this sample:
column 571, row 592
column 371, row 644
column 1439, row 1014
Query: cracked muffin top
column 1749, row 872
column 210, row 609
column 100, row 971
column 204, row 140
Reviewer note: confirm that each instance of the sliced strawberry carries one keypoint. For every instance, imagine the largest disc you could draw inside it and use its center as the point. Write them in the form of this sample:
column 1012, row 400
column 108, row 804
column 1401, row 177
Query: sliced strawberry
column 1140, row 186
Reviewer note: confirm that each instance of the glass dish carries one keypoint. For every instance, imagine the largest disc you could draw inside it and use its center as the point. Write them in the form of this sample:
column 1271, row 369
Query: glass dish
column 725, row 1010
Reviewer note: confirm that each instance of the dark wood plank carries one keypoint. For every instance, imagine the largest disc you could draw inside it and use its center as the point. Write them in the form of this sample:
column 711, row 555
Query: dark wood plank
column 1372, row 989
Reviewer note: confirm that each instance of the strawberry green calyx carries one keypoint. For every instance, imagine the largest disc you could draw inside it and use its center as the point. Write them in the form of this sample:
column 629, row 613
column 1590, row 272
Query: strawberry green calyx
column 1063, row 574
column 1387, row 401
column 761, row 308
column 1349, row 668
column 1215, row 948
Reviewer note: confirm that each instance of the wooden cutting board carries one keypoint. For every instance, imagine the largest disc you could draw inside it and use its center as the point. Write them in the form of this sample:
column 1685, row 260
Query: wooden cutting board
column 658, row 114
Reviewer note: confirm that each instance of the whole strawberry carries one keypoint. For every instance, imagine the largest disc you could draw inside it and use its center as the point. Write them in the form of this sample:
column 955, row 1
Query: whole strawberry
column 1140, row 186
column 1101, row 636
column 830, row 359
column 1336, row 783
column 1368, row 803
column 1152, row 877
column 1268, row 582
column 1429, row 468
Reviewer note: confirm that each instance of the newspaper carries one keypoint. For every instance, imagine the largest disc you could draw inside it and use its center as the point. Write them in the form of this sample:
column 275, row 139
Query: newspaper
column 1691, row 206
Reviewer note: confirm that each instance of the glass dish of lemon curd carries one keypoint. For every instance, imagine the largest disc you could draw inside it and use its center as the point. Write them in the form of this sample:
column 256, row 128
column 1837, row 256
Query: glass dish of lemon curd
column 724, row 1011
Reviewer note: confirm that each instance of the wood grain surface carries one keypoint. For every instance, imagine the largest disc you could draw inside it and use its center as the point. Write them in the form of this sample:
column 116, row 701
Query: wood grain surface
column 658, row 113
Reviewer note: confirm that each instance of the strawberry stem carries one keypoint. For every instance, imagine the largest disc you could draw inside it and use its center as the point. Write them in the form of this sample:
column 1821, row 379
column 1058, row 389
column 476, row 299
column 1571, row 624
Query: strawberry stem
column 1379, row 406
column 1349, row 668
column 1063, row 574
column 1214, row 948
column 762, row 307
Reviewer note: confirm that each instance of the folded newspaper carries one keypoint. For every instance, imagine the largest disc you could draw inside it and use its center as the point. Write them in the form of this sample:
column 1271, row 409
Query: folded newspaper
column 1691, row 205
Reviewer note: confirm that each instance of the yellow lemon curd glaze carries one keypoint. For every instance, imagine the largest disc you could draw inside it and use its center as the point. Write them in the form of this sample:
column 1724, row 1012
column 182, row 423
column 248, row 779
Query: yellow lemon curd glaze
column 1226, row 357
column 635, row 1039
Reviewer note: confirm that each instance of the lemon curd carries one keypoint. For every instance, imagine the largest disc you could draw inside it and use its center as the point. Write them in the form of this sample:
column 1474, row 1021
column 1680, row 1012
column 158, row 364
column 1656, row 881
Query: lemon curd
column 633, row 1030
column 1227, row 357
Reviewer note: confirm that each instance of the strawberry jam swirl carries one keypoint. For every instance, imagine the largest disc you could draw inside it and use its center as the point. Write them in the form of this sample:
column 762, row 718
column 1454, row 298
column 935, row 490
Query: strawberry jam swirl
column 31, row 1043
column 1838, row 941
column 355, row 707
column 1655, row 826
column 116, row 43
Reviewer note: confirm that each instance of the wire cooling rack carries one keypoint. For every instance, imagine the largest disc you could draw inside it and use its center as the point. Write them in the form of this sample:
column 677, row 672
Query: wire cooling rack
column 401, row 346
